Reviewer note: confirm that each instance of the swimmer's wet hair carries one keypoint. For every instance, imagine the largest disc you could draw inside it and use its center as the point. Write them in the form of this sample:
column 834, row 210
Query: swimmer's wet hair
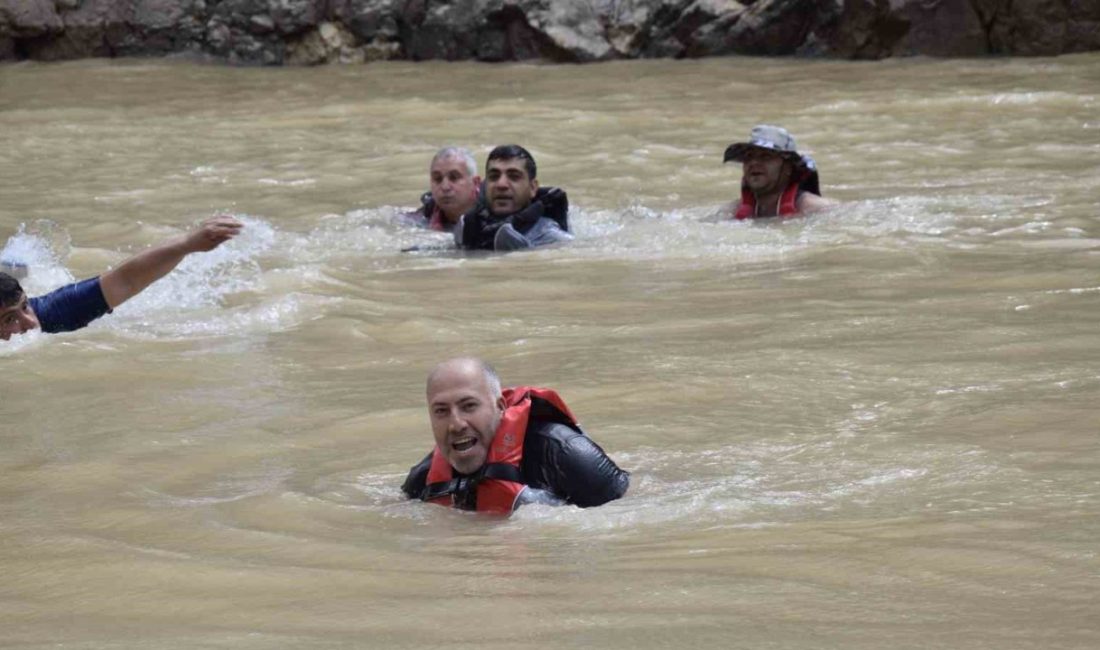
column 11, row 292
column 512, row 152
column 457, row 152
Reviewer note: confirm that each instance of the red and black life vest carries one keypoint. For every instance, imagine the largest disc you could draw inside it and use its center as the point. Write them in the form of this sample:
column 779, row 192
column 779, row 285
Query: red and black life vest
column 497, row 485
column 788, row 203
column 805, row 179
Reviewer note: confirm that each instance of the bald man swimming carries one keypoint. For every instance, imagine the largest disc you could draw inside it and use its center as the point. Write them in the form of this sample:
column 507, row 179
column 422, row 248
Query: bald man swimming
column 496, row 450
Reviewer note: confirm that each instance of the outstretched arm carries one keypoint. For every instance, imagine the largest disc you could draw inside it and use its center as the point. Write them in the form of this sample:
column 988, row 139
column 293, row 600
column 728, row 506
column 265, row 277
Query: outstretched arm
column 135, row 274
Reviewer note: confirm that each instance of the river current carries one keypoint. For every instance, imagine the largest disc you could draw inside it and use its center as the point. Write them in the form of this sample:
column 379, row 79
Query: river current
column 874, row 427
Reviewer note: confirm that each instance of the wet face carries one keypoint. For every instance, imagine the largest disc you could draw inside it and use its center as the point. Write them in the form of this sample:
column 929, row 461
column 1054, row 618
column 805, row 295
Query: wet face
column 765, row 171
column 464, row 414
column 453, row 188
column 508, row 186
column 17, row 319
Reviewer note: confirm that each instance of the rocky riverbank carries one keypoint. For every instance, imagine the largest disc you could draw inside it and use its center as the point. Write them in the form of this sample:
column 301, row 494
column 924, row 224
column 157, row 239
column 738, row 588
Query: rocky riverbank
column 276, row 32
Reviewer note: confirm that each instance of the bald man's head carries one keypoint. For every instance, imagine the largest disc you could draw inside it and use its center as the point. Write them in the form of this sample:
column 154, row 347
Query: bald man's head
column 467, row 367
column 465, row 406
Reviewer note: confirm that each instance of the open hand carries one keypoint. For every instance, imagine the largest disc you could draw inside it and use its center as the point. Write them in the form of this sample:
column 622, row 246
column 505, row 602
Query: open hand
column 213, row 232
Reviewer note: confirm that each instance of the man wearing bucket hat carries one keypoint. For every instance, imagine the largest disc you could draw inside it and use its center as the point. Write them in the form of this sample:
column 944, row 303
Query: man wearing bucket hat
column 776, row 179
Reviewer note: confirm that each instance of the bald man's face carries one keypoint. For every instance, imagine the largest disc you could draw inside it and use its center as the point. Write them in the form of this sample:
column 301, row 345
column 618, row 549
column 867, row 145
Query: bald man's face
column 464, row 414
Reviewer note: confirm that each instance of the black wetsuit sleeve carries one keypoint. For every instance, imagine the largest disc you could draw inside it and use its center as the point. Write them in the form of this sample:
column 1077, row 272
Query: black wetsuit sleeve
column 572, row 466
column 417, row 479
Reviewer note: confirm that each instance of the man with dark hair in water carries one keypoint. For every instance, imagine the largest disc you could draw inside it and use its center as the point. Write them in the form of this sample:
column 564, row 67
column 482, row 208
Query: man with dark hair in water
column 776, row 180
column 496, row 450
column 516, row 213
column 76, row 305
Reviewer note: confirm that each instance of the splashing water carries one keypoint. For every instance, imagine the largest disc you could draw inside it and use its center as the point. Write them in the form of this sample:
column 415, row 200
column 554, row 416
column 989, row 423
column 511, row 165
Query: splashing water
column 34, row 255
column 180, row 302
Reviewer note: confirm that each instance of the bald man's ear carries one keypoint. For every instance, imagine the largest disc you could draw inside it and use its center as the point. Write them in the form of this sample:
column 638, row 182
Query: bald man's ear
column 501, row 404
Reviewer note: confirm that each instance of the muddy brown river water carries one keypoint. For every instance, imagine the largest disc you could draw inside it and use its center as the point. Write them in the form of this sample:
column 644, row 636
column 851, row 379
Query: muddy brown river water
column 873, row 428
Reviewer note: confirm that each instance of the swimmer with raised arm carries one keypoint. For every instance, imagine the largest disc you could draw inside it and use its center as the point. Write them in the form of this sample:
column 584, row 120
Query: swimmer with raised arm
column 74, row 306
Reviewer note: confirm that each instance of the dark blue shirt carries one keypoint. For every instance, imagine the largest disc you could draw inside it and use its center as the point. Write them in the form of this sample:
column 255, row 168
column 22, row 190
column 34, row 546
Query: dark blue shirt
column 71, row 307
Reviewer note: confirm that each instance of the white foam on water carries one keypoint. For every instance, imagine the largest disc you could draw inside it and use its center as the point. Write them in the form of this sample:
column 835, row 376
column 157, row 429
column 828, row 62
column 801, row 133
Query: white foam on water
column 229, row 290
column 41, row 246
column 1048, row 99
column 191, row 299
column 754, row 484
column 635, row 232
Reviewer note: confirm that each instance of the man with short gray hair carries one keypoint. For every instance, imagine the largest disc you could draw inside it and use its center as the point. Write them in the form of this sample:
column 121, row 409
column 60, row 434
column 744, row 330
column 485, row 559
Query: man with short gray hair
column 455, row 189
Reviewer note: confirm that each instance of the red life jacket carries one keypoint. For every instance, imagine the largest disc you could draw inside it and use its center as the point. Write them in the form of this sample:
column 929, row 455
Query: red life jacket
column 499, row 482
column 788, row 202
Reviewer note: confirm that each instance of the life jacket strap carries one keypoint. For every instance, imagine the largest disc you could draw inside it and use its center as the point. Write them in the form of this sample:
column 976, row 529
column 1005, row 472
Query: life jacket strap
column 463, row 490
column 502, row 472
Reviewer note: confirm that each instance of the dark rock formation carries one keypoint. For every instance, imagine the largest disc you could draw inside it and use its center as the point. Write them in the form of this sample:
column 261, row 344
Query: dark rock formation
column 773, row 28
column 1038, row 27
column 880, row 28
column 276, row 32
